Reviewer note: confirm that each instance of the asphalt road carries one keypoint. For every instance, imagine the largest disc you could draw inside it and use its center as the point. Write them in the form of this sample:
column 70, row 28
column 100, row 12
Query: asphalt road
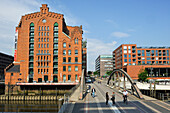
column 135, row 105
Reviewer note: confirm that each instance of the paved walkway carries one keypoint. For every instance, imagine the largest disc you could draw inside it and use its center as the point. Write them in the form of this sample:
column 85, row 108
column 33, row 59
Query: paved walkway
column 97, row 104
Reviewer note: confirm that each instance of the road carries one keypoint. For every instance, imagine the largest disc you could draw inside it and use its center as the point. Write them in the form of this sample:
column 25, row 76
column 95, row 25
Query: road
column 135, row 105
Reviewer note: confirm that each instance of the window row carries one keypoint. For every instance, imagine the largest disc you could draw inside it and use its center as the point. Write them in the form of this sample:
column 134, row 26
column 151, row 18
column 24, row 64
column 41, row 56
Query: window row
column 43, row 57
column 43, row 71
column 69, row 52
column 43, row 45
column 69, row 68
column 69, row 59
column 43, row 51
column 43, row 39
column 43, row 34
column 43, row 28
column 42, row 64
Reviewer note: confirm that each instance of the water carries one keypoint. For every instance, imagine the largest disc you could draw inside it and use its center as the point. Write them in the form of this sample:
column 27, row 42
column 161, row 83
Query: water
column 30, row 106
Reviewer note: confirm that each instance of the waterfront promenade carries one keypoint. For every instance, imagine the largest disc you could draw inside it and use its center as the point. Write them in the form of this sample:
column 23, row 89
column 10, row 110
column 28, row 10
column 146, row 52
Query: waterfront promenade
column 97, row 104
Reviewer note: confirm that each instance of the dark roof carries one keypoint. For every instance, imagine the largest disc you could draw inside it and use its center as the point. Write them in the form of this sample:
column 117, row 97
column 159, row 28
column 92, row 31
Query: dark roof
column 15, row 68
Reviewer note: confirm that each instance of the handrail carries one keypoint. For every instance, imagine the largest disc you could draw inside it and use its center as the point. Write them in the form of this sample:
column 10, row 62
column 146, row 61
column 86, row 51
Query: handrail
column 130, row 79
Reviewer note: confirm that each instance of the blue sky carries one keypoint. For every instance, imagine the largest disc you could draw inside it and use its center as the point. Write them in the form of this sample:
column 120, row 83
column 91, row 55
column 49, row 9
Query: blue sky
column 106, row 23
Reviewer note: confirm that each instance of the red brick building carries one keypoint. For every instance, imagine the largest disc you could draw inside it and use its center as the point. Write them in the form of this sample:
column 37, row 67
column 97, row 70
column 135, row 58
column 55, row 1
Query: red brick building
column 132, row 59
column 47, row 50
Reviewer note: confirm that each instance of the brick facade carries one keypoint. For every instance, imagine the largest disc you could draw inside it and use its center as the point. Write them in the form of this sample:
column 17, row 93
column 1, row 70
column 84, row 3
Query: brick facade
column 45, row 45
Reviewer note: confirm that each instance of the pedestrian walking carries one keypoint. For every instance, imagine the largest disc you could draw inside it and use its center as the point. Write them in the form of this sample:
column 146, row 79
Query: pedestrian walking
column 125, row 93
column 107, row 98
column 113, row 98
column 93, row 91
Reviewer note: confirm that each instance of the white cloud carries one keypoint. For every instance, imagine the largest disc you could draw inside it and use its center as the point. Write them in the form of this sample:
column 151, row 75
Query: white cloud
column 97, row 47
column 119, row 34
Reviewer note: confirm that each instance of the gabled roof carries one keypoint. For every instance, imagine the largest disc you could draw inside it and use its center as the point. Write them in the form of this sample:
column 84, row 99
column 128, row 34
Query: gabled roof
column 15, row 68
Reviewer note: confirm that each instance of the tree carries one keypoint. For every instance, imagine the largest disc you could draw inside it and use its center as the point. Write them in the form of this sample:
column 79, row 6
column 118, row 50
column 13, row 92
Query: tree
column 108, row 73
column 142, row 75
column 96, row 73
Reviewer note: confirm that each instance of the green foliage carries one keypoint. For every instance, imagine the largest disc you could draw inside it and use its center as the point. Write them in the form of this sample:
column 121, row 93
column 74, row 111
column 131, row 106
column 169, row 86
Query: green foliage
column 96, row 73
column 143, row 75
column 108, row 73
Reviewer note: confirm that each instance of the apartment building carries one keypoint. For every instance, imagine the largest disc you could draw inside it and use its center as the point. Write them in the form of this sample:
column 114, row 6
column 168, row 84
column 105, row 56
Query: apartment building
column 132, row 59
column 104, row 63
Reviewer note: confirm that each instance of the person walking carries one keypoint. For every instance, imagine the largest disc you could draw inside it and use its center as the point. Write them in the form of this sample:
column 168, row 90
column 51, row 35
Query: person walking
column 107, row 98
column 113, row 98
column 93, row 91
column 125, row 93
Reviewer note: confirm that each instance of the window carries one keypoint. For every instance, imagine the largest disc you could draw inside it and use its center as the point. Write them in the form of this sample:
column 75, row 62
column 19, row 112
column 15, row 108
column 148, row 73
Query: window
column 39, row 45
column 47, row 39
column 41, row 51
column 76, row 59
column 69, row 59
column 48, row 28
column 143, row 62
column 125, row 60
column 45, row 28
column 64, row 68
column 39, row 40
column 69, row 52
column 64, row 52
column 76, row 52
column 38, row 71
column 47, row 45
column 64, row 59
column 69, row 77
column 125, row 56
column 11, row 74
column 44, row 51
column 76, row 68
column 129, row 60
column 64, row 78
column 39, row 28
column 76, row 77
column 148, row 58
column 64, row 45
column 39, row 34
column 69, row 68
column 44, row 39
column 42, row 28
column 44, row 45
column 42, row 34
column 47, row 33
column 143, row 52
column 129, row 56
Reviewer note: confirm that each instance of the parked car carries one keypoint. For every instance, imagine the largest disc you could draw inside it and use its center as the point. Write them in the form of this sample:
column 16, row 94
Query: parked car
column 88, row 81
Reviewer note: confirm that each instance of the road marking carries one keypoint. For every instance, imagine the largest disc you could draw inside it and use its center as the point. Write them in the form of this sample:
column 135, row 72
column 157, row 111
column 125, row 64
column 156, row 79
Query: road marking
column 99, row 106
column 161, row 105
column 112, row 107
column 150, row 107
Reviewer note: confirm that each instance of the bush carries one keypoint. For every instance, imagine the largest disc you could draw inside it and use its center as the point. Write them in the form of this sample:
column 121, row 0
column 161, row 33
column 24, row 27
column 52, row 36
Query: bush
column 143, row 75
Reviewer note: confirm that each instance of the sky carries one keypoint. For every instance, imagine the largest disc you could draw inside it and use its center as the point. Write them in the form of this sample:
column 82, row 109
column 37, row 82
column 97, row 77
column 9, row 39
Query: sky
column 106, row 23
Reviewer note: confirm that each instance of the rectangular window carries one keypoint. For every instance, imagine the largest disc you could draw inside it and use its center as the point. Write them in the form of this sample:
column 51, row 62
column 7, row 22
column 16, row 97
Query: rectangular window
column 45, row 28
column 47, row 45
column 69, row 59
column 48, row 28
column 42, row 28
column 69, row 68
column 47, row 39
column 64, row 59
column 44, row 39
column 47, row 33
column 42, row 34
column 148, row 58
column 129, row 56
column 76, row 52
column 76, row 59
column 64, row 68
column 44, row 45
column 69, row 77
column 76, row 68
column 39, row 45
column 39, row 34
column 41, row 39
column 39, row 28
column 125, row 60
column 125, row 56
column 129, row 60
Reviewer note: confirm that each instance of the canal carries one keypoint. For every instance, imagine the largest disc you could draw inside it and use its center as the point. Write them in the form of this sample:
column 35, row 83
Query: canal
column 30, row 106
